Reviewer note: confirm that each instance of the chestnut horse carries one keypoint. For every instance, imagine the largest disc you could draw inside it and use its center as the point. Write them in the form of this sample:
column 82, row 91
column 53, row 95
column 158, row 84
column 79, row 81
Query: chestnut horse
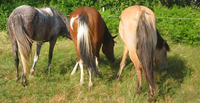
column 138, row 31
column 26, row 25
column 88, row 32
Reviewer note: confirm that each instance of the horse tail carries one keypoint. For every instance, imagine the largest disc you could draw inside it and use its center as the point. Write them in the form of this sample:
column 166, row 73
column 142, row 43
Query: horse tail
column 145, row 31
column 84, row 44
column 23, row 41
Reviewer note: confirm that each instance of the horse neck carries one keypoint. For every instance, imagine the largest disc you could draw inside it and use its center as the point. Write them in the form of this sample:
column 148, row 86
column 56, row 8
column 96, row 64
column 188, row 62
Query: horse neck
column 61, row 15
column 64, row 21
column 107, row 36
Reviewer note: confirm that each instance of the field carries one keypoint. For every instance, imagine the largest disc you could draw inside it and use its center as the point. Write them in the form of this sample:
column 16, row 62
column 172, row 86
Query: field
column 180, row 84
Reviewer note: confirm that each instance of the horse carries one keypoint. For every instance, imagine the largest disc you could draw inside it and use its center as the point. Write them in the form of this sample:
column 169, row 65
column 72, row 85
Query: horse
column 137, row 29
column 88, row 32
column 26, row 25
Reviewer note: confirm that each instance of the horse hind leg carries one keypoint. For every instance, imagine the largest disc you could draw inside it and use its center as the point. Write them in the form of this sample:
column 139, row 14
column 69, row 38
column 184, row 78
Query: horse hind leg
column 90, row 84
column 24, row 68
column 51, row 47
column 37, row 53
column 24, row 80
column 82, row 72
column 97, row 65
column 151, row 90
column 75, row 67
column 151, row 86
column 138, row 68
column 122, row 64
column 96, row 61
column 15, row 51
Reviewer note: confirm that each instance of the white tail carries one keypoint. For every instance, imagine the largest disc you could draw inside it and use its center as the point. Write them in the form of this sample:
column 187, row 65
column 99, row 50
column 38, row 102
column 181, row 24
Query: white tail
column 84, row 44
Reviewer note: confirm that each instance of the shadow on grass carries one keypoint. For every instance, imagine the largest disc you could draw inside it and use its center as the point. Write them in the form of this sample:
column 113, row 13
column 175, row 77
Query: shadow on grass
column 168, row 82
column 114, row 67
column 67, row 67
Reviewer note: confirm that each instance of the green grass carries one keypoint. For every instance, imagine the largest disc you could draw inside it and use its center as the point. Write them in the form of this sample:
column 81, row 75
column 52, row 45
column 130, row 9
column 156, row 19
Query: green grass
column 180, row 84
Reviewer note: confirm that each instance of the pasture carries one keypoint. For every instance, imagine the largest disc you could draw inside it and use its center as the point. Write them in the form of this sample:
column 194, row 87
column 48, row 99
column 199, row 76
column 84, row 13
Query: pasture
column 180, row 84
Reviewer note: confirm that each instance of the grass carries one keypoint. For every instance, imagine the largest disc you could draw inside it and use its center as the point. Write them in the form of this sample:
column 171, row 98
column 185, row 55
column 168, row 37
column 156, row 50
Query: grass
column 180, row 84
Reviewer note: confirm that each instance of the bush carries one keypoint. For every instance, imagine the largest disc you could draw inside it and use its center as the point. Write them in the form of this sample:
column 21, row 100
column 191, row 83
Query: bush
column 179, row 27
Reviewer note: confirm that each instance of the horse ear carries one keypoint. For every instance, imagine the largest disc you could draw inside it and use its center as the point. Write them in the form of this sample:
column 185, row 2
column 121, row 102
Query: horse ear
column 114, row 36
column 166, row 45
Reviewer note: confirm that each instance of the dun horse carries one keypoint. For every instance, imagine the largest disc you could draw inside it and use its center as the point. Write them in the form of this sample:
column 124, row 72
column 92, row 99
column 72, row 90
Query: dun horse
column 26, row 25
column 138, row 31
column 88, row 32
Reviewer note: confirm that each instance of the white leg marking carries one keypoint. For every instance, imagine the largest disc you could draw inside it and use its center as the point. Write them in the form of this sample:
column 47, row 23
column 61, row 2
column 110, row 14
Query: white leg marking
column 90, row 84
column 96, row 61
column 35, row 60
column 75, row 68
column 36, row 57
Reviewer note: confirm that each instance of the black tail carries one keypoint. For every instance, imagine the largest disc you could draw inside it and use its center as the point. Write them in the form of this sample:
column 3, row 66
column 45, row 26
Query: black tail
column 145, row 46
column 84, row 44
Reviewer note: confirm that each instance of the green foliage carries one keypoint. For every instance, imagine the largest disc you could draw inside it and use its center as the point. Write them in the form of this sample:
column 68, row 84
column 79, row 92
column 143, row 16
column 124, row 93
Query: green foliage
column 179, row 30
column 179, row 27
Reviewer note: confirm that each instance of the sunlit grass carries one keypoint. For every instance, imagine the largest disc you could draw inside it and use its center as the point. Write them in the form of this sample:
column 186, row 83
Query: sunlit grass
column 180, row 84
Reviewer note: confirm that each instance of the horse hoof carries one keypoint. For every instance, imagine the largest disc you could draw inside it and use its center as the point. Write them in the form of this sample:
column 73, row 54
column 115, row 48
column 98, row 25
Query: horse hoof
column 90, row 85
column 81, row 83
column 138, row 91
column 31, row 72
column 31, row 76
column 117, row 77
column 17, row 79
column 72, row 73
column 100, row 75
column 24, row 83
column 151, row 99
column 48, row 70
column 24, row 80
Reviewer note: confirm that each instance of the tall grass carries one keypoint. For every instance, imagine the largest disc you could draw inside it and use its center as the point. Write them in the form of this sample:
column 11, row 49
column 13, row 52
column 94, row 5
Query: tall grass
column 180, row 84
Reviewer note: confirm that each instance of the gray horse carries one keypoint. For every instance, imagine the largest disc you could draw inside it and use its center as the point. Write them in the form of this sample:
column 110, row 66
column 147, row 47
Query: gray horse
column 26, row 25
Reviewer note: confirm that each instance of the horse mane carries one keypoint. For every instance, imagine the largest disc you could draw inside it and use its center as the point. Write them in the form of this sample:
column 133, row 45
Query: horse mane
column 107, row 35
column 58, row 12
column 62, row 16
column 161, row 42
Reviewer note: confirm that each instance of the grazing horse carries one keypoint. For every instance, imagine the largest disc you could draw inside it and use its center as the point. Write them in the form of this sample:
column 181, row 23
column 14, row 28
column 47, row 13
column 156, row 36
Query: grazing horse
column 26, row 25
column 138, row 31
column 88, row 32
